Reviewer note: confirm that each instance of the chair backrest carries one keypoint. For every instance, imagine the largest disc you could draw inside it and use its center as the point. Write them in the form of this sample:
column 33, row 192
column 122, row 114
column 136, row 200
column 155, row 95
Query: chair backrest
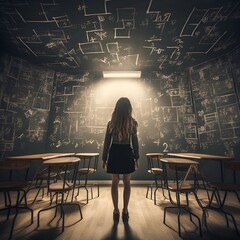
column 153, row 160
column 88, row 161
column 63, row 167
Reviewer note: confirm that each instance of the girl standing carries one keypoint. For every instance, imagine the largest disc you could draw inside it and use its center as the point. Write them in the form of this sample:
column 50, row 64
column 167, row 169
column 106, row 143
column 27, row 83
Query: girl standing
column 121, row 152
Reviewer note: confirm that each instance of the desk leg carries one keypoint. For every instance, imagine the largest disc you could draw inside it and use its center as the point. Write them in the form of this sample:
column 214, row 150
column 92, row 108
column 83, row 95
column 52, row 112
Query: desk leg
column 32, row 180
column 221, row 168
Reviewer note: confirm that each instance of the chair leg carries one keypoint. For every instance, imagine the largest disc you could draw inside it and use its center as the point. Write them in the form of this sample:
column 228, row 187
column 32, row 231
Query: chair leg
column 233, row 220
column 63, row 217
column 87, row 193
column 36, row 196
column 179, row 221
column 98, row 190
column 155, row 196
column 45, row 209
column 17, row 207
column 147, row 191
column 13, row 224
column 150, row 186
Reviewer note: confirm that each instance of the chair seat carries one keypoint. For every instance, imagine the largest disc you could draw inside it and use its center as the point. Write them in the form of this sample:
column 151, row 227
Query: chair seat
column 12, row 185
column 182, row 187
column 58, row 186
column 45, row 175
column 156, row 170
column 86, row 170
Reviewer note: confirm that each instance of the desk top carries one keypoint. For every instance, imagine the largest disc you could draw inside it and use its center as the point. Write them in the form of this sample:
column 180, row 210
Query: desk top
column 200, row 156
column 40, row 156
column 179, row 161
column 155, row 154
column 87, row 154
column 61, row 160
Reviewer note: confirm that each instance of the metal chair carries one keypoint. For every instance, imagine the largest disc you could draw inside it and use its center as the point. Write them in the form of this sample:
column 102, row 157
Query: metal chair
column 62, row 166
column 217, row 200
column 16, row 183
column 155, row 169
column 181, row 186
column 88, row 166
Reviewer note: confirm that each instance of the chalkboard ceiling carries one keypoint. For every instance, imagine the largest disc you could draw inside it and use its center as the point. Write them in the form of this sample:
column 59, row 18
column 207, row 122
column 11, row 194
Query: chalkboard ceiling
column 76, row 35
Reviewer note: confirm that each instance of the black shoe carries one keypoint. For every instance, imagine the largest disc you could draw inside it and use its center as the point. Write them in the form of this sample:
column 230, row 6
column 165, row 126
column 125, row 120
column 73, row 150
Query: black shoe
column 116, row 216
column 125, row 216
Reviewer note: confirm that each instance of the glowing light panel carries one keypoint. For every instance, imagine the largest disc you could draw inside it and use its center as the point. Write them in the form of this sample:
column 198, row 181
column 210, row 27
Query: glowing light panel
column 109, row 91
column 121, row 74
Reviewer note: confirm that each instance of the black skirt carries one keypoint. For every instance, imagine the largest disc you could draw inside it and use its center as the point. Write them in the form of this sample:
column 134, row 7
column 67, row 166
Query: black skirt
column 120, row 159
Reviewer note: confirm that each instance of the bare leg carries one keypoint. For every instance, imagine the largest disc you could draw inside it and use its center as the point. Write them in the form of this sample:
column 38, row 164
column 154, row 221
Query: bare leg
column 126, row 191
column 114, row 191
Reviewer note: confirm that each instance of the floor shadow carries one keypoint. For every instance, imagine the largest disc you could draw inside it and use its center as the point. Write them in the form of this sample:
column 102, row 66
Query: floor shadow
column 128, row 232
column 112, row 234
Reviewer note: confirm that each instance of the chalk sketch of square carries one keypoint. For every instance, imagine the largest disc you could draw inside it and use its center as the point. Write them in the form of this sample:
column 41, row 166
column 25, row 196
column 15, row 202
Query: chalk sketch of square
column 189, row 118
column 8, row 146
column 210, row 117
column 62, row 21
column 121, row 33
column 41, row 101
column 170, row 114
column 96, row 35
column 176, row 101
column 90, row 8
column 14, row 68
column 112, row 47
column 91, row 47
column 227, row 133
column 190, row 132
column 7, row 132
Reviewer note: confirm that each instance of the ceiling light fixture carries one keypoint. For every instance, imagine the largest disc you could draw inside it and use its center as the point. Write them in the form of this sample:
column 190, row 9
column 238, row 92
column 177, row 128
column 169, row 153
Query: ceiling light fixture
column 121, row 74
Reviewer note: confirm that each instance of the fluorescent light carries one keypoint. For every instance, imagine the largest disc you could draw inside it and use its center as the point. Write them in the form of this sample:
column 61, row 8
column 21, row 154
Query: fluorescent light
column 121, row 74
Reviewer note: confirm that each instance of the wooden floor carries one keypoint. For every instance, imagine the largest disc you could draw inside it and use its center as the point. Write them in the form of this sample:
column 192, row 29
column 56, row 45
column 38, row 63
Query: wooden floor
column 145, row 222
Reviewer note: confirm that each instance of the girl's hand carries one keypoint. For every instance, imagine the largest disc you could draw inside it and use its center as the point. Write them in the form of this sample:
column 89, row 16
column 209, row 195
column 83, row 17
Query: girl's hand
column 104, row 165
column 136, row 164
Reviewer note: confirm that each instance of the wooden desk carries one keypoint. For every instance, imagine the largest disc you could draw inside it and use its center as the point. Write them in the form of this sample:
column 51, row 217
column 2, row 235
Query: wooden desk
column 62, row 166
column 190, row 164
column 41, row 157
column 84, row 154
column 201, row 156
column 61, row 160
column 180, row 186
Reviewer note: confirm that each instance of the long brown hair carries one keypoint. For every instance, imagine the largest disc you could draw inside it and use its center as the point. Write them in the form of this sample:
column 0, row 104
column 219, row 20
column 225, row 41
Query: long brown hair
column 122, row 123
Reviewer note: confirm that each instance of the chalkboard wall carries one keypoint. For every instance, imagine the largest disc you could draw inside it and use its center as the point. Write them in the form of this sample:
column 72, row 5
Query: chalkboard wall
column 192, row 111
column 25, row 100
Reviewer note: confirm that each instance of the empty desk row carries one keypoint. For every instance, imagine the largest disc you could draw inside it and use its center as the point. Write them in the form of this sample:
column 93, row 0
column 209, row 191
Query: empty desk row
column 181, row 173
column 59, row 173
